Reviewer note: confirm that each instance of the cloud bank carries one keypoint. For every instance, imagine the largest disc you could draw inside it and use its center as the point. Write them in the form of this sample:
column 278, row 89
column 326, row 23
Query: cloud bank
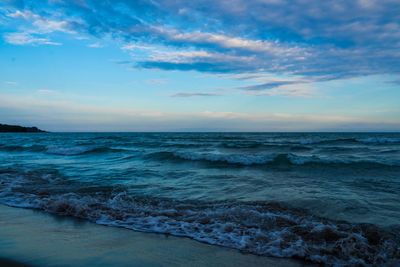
column 71, row 116
column 313, row 39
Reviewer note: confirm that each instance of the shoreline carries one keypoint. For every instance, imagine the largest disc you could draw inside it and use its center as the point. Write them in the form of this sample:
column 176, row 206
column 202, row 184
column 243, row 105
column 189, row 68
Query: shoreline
column 35, row 238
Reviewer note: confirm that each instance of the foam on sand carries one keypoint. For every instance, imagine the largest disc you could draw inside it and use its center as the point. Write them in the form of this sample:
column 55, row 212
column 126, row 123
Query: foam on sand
column 39, row 239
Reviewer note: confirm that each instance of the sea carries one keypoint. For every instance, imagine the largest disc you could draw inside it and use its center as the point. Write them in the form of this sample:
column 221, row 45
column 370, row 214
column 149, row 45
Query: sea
column 327, row 198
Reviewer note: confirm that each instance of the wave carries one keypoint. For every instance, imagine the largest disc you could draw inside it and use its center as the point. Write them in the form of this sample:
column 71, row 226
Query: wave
column 31, row 148
column 309, row 141
column 241, row 145
column 265, row 146
column 369, row 140
column 260, row 228
column 262, row 159
column 70, row 151
column 67, row 151
column 226, row 158
column 61, row 150
column 378, row 140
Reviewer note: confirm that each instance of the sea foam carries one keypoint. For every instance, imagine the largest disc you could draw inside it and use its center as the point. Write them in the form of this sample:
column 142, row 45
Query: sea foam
column 261, row 228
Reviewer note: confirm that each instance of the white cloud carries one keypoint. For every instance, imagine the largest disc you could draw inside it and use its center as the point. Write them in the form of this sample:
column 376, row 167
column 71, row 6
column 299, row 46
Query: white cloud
column 293, row 90
column 272, row 47
column 45, row 91
column 41, row 25
column 70, row 116
column 81, row 38
column 366, row 3
column 26, row 14
column 96, row 45
column 49, row 26
column 23, row 38
column 346, row 38
column 157, row 81
column 190, row 94
column 134, row 46
column 225, row 115
column 11, row 83
column 190, row 56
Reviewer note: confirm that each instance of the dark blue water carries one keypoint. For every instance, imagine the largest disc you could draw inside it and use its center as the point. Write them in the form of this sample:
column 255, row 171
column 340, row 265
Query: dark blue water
column 332, row 198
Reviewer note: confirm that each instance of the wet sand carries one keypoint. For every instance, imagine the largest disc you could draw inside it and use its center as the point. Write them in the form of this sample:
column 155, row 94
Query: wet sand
column 34, row 238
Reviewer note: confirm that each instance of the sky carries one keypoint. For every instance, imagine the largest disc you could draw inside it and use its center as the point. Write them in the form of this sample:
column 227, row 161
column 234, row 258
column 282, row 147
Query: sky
column 211, row 65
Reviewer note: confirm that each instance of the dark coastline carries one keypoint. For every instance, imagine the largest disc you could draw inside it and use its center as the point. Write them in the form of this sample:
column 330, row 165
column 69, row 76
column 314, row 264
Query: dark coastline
column 5, row 128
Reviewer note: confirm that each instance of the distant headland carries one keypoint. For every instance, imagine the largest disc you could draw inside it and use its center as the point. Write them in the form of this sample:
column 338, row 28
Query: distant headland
column 4, row 128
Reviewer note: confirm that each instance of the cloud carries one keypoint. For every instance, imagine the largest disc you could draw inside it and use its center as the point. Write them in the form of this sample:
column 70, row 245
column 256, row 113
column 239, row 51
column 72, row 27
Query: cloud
column 49, row 26
column 190, row 94
column 157, row 81
column 394, row 82
column 134, row 46
column 195, row 60
column 11, row 83
column 290, row 90
column 43, row 24
column 226, row 115
column 330, row 39
column 202, row 66
column 267, row 85
column 38, row 26
column 26, row 14
column 270, row 86
column 45, row 91
column 22, row 38
column 226, row 42
column 71, row 116
column 95, row 45
column 121, row 62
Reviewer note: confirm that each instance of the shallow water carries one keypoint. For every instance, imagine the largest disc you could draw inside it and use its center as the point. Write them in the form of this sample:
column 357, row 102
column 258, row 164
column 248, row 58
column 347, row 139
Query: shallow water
column 326, row 197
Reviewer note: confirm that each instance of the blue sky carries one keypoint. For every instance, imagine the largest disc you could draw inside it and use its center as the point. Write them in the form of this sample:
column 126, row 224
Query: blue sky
column 171, row 65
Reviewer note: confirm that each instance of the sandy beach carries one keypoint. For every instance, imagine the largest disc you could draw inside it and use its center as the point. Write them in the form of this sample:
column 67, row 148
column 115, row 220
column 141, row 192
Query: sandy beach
column 34, row 238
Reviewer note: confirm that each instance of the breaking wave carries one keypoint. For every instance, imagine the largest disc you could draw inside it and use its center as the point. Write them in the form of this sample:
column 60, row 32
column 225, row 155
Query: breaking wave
column 150, row 181
column 60, row 150
column 260, row 228
column 69, row 151
column 262, row 159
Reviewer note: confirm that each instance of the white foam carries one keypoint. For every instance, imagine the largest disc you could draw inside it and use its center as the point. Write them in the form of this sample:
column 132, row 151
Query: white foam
column 252, row 227
column 229, row 158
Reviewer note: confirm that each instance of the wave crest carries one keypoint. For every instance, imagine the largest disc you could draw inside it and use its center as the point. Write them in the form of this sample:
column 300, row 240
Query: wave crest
column 378, row 140
column 256, row 227
column 67, row 151
column 262, row 159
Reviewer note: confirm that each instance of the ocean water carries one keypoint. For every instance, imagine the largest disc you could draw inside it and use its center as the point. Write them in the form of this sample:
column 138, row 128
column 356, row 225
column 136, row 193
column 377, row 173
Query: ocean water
column 331, row 198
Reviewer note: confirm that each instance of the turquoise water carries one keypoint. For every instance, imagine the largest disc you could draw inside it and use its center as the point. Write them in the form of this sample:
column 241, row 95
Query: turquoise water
column 332, row 198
